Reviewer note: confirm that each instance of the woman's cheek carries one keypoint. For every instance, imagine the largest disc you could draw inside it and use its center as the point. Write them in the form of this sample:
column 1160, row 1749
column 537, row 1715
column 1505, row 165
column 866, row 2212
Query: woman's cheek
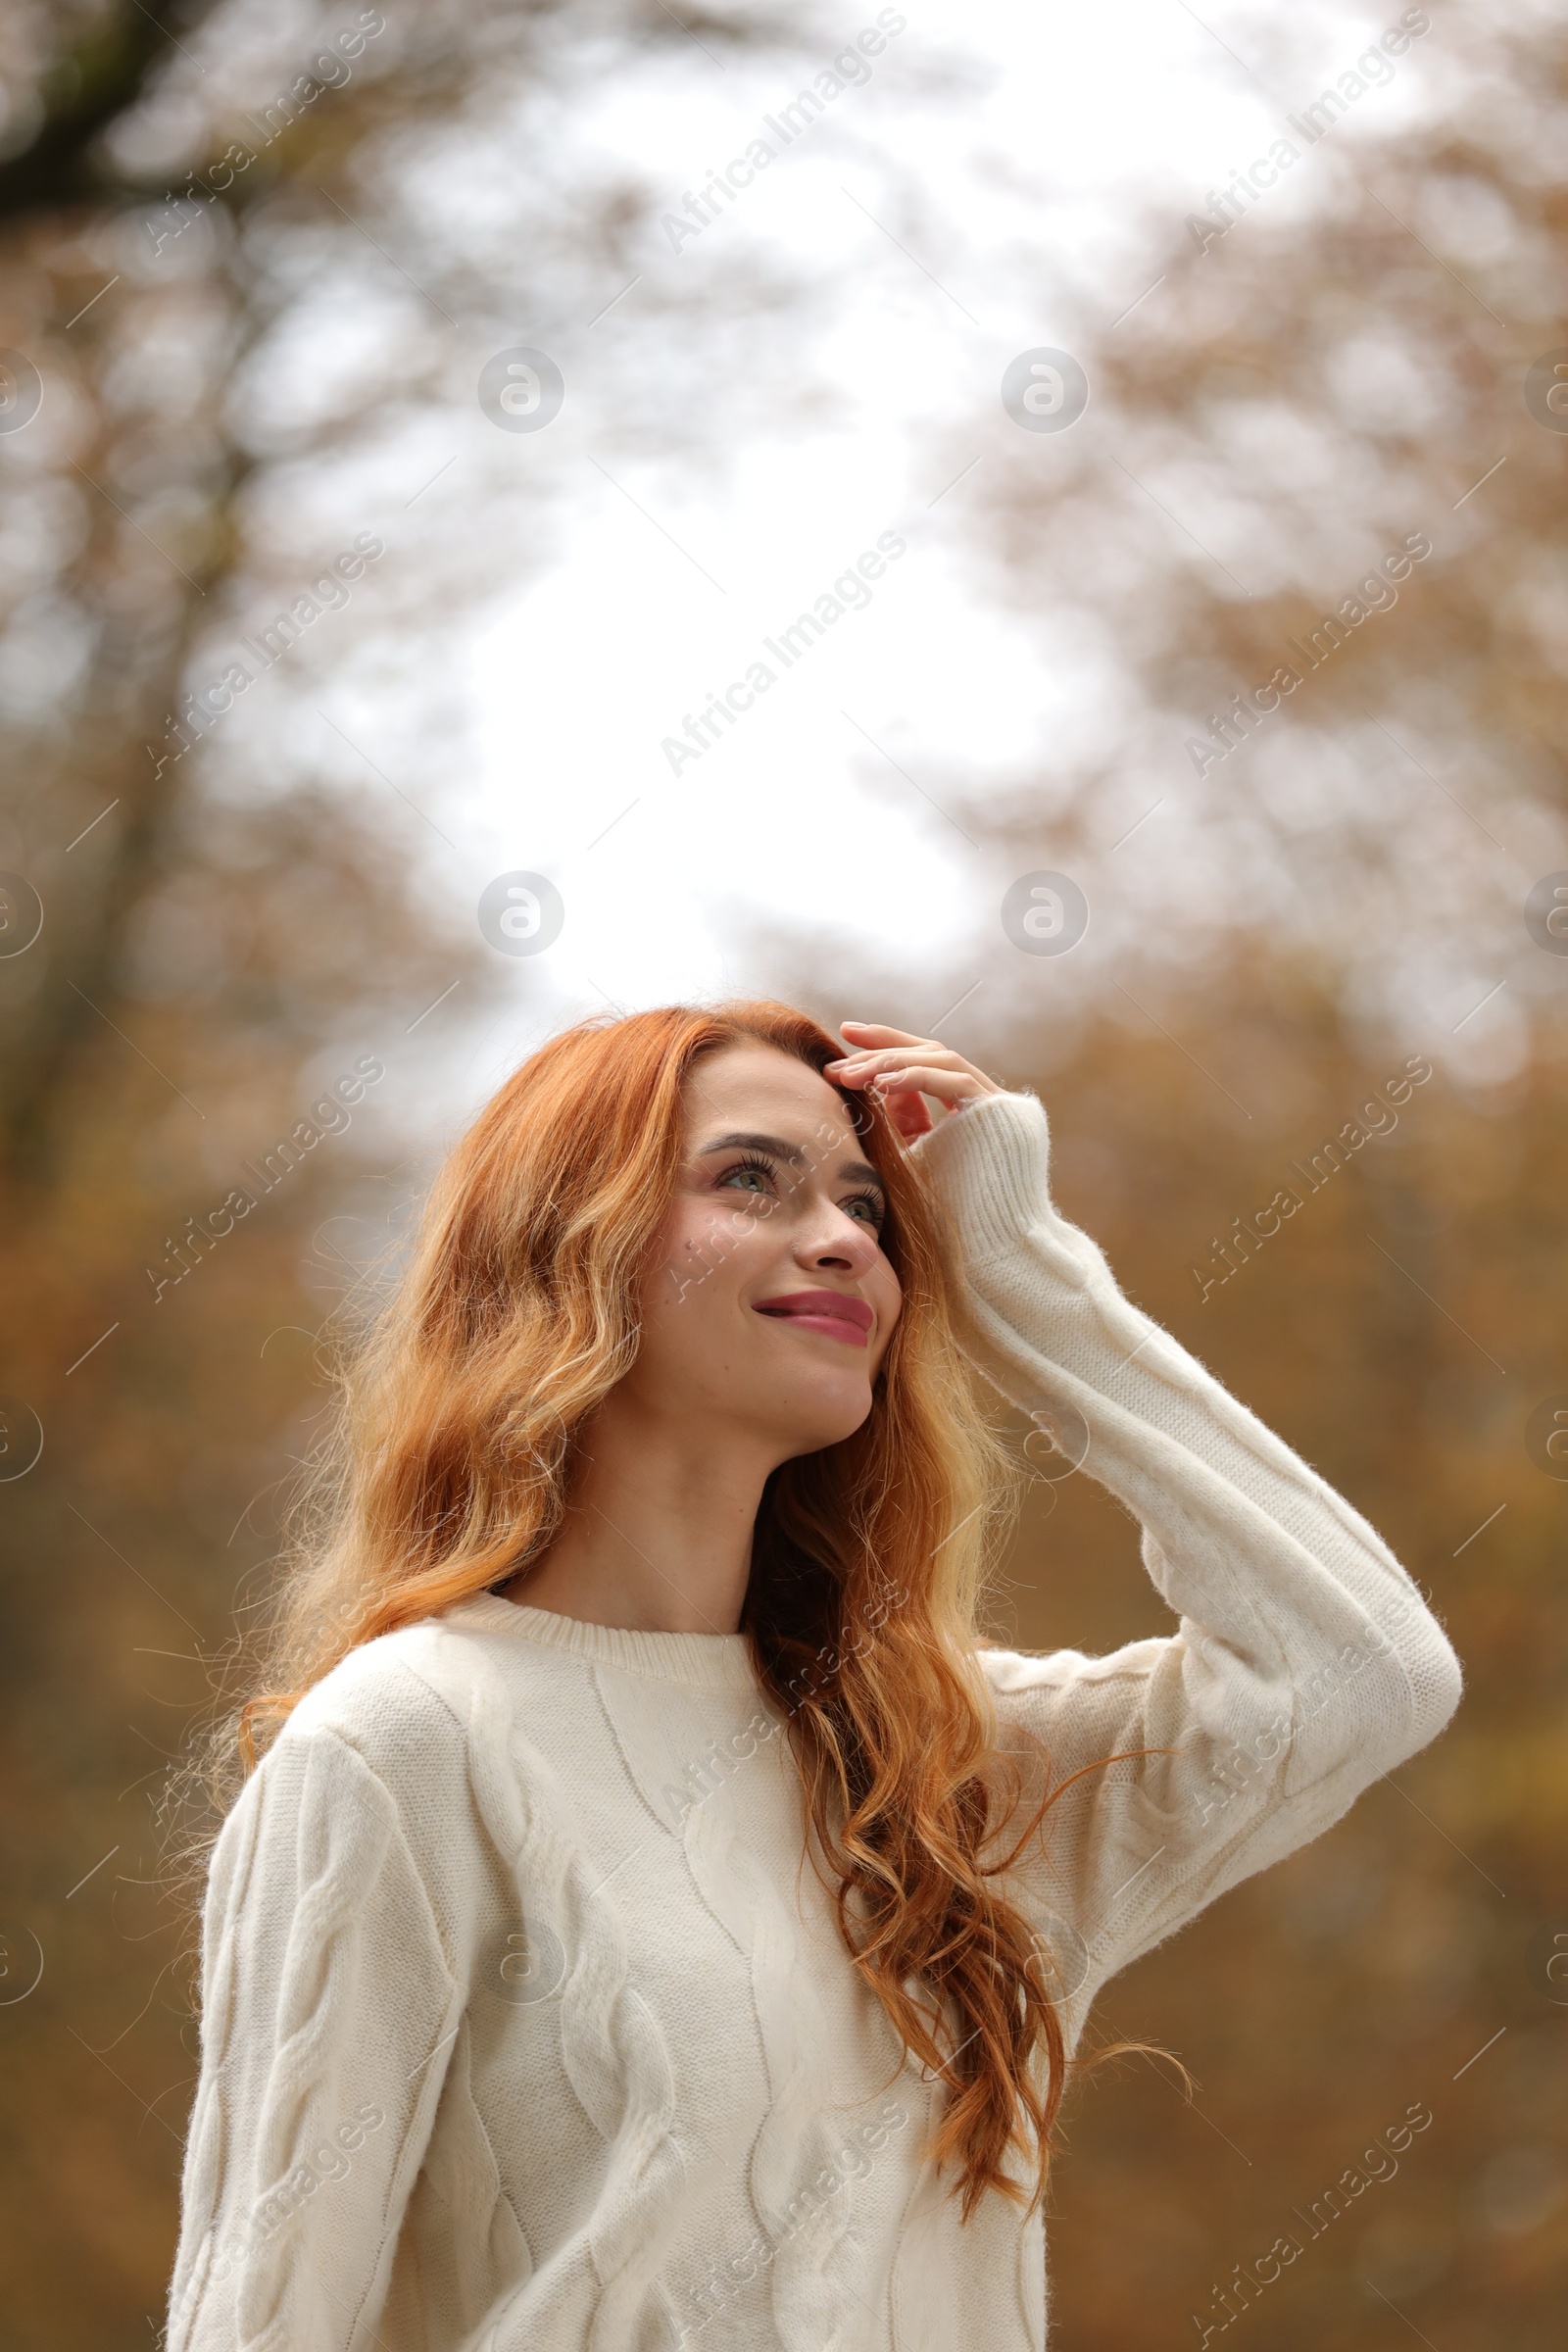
column 723, row 1241
column 708, row 1251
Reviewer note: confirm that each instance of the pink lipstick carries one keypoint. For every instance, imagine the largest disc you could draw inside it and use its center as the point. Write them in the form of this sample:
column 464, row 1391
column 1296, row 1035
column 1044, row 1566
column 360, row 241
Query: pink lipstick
column 831, row 1312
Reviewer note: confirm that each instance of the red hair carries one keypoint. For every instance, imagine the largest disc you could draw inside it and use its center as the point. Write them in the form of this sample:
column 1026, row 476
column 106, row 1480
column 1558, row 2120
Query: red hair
column 450, row 1468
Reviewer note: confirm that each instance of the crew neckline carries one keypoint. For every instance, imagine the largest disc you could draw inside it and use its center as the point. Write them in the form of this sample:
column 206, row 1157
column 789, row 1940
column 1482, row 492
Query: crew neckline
column 708, row 1661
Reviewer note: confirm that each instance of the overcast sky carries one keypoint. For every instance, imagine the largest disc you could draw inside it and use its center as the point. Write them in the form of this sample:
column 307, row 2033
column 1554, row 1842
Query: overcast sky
column 946, row 236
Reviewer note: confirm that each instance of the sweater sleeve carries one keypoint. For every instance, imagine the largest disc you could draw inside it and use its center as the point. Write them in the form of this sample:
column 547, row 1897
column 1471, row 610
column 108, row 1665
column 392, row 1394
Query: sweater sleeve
column 1305, row 1664
column 327, row 2011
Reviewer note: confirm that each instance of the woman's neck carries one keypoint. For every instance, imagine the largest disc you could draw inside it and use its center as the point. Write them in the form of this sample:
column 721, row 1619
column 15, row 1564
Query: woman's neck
column 657, row 1533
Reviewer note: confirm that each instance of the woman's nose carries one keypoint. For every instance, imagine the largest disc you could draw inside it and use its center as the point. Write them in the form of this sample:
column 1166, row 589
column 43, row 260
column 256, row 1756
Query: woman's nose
column 846, row 1244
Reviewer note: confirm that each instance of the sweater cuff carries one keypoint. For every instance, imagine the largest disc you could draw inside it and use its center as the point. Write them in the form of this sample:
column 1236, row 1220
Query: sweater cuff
column 990, row 1164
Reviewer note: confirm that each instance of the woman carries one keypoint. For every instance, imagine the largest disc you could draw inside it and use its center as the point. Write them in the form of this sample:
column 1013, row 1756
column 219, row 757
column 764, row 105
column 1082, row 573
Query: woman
column 659, row 1921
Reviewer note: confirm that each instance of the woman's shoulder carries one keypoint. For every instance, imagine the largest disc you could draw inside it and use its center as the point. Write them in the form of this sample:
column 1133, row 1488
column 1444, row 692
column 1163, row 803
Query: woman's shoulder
column 406, row 1702
column 379, row 1767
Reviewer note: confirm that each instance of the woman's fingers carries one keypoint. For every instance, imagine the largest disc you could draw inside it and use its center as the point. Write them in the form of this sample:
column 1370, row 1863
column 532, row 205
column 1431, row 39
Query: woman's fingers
column 904, row 1070
column 907, row 1111
column 859, row 1067
column 875, row 1032
column 948, row 1086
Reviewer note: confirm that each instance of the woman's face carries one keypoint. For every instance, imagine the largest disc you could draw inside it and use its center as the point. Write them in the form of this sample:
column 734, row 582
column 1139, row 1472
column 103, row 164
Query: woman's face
column 768, row 1304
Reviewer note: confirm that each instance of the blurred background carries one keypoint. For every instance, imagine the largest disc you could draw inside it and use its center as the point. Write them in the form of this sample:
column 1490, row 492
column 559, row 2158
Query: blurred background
column 412, row 420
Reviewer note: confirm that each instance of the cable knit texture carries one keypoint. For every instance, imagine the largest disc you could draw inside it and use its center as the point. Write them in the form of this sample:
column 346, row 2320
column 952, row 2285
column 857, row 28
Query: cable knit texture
column 525, row 2030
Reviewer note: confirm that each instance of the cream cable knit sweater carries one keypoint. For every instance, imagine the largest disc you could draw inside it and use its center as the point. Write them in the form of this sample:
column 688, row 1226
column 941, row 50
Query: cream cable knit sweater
column 523, row 2029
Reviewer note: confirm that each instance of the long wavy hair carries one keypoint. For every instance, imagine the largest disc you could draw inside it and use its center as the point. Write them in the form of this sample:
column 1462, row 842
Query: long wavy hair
column 450, row 1465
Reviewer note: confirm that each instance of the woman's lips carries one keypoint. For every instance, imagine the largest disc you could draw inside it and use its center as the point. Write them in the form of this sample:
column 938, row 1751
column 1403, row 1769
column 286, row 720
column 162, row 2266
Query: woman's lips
column 829, row 1311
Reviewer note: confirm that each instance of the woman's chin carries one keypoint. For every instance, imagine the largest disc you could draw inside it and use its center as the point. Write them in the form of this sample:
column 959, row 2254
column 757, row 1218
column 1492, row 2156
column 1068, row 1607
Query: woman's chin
column 814, row 1432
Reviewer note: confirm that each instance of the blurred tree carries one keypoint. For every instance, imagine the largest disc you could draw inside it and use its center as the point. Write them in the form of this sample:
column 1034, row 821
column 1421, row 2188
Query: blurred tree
column 1323, row 367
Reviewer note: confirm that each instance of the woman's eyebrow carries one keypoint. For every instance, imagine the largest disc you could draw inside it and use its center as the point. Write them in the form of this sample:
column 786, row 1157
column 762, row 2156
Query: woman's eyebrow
column 860, row 1172
column 856, row 1172
column 774, row 1145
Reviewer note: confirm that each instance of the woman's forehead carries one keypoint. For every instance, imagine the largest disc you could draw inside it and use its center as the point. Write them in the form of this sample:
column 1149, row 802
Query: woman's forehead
column 739, row 1083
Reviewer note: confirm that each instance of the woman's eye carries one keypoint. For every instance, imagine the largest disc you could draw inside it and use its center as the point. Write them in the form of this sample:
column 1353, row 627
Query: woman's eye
column 748, row 1179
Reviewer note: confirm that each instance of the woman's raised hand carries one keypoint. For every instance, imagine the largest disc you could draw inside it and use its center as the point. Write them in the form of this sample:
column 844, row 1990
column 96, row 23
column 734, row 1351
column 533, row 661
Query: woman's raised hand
column 905, row 1068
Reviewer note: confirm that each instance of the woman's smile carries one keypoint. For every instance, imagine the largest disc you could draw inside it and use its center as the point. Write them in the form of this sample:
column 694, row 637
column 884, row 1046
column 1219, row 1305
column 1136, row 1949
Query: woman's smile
column 831, row 1312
